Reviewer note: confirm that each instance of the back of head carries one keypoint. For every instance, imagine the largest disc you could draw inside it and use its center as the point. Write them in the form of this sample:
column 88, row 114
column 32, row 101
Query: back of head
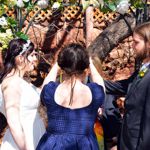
column 143, row 30
column 16, row 47
column 73, row 59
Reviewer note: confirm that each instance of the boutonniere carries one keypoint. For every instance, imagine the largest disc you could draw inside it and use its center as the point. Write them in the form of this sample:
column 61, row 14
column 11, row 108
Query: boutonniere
column 143, row 72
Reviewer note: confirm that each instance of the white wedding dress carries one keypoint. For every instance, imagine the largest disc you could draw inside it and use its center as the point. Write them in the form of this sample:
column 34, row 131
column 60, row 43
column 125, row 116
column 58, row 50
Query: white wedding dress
column 0, row 99
column 31, row 121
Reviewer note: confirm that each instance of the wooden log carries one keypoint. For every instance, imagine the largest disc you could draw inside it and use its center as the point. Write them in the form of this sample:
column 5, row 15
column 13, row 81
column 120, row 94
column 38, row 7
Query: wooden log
column 111, row 36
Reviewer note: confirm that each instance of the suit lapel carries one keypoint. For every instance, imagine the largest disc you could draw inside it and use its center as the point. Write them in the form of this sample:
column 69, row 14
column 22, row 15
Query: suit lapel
column 135, row 83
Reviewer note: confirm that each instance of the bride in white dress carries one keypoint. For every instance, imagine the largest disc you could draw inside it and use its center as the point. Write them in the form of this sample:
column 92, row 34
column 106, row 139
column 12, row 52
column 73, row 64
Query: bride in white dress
column 19, row 99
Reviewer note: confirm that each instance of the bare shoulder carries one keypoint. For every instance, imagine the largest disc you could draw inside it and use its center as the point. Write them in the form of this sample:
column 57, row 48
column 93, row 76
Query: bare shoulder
column 11, row 92
column 11, row 83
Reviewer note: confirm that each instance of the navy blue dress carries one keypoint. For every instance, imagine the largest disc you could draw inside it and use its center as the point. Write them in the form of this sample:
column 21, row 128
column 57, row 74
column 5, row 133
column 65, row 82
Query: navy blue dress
column 70, row 129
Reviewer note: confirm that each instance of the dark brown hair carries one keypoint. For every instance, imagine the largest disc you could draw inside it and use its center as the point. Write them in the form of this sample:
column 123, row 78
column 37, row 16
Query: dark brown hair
column 15, row 48
column 73, row 59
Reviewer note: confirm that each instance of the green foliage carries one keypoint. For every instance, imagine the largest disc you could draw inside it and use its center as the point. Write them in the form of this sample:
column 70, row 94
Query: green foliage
column 2, row 30
column 2, row 10
column 22, row 35
column 137, row 3
column 12, row 22
column 59, row 1
column 111, row 6
column 105, row 9
column 72, row 1
column 12, row 27
column 95, row 3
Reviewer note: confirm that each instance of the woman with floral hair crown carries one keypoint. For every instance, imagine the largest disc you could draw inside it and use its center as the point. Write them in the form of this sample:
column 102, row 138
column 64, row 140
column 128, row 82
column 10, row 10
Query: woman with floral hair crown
column 20, row 99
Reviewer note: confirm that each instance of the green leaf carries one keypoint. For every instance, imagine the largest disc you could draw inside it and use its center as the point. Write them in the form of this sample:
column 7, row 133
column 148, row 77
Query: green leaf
column 72, row 1
column 105, row 9
column 112, row 6
column 22, row 35
column 137, row 3
column 59, row 1
column 2, row 30
column 30, row 7
column 11, row 21
column 27, row 4
column 2, row 9
column 2, row 1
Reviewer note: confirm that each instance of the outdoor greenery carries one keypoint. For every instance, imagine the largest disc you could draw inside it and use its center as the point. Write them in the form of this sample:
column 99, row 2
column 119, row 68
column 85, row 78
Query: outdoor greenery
column 11, row 27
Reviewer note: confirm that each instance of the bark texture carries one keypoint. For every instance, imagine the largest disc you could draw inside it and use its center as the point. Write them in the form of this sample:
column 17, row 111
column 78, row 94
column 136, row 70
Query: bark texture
column 111, row 36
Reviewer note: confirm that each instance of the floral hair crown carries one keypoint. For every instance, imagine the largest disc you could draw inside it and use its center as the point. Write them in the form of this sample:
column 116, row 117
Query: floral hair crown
column 25, row 47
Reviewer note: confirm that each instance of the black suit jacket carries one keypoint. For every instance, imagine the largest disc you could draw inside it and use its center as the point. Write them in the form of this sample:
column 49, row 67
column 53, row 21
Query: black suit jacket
column 135, row 131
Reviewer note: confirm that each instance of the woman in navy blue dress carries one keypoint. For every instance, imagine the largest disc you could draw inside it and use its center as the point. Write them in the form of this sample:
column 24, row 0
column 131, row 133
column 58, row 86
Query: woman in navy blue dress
column 72, row 105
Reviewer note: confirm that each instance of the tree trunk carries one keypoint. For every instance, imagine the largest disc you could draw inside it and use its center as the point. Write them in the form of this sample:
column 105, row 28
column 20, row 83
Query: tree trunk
column 111, row 36
column 89, row 25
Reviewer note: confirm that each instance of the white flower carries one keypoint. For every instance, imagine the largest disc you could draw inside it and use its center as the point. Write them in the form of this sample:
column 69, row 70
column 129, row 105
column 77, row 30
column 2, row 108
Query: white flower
column 95, row 3
column 42, row 3
column 101, row 2
column 56, row 5
column 3, row 21
column 11, row 3
column 123, row 6
column 5, row 38
column 26, row 1
column 20, row 3
column 25, row 47
column 9, row 32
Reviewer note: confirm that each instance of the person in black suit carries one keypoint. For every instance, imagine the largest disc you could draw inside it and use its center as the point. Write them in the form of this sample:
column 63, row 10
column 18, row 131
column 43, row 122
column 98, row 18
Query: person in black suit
column 111, row 121
column 135, row 130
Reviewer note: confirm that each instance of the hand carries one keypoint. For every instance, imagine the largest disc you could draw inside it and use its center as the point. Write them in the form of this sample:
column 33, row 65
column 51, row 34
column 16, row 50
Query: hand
column 56, row 67
column 90, row 59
